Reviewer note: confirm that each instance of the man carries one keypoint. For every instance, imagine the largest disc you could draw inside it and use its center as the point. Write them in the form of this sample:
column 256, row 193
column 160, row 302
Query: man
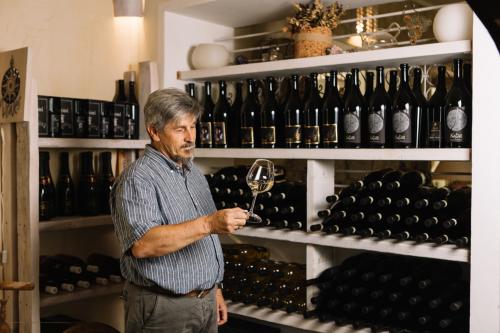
column 167, row 225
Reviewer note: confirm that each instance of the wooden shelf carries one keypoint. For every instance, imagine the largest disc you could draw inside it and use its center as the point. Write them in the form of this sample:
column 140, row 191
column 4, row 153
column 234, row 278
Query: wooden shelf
column 47, row 300
column 407, row 248
column 443, row 154
column 282, row 318
column 434, row 53
column 91, row 143
column 75, row 222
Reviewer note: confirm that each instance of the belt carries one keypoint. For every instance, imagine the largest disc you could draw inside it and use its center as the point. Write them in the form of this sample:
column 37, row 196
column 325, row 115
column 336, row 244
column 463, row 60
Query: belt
column 198, row 293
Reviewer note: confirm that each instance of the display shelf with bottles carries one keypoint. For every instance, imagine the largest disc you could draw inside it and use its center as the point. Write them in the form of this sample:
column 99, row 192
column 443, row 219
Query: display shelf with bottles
column 73, row 296
column 435, row 53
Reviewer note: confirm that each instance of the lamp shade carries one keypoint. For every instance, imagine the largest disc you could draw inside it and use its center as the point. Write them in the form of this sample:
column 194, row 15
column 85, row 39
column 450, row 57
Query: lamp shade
column 128, row 8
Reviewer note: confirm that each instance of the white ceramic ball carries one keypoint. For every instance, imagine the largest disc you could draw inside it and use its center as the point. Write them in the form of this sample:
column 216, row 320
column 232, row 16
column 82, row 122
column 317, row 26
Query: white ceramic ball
column 206, row 56
column 453, row 22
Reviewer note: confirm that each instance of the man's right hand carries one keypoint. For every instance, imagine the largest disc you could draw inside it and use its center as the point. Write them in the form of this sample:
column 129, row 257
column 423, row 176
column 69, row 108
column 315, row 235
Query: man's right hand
column 226, row 221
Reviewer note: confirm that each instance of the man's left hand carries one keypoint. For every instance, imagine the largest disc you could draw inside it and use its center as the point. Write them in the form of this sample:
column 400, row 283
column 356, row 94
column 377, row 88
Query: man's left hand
column 221, row 307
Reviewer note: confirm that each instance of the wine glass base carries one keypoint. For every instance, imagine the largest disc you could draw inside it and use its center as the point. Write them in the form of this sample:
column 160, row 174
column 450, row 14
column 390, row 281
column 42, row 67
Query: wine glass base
column 253, row 218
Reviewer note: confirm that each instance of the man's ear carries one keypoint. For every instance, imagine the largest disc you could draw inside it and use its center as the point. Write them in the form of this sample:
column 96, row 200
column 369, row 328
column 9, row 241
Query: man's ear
column 153, row 133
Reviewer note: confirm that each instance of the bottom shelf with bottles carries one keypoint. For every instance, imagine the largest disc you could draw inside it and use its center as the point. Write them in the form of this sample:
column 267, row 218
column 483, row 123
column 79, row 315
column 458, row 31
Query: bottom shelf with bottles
column 282, row 318
column 47, row 300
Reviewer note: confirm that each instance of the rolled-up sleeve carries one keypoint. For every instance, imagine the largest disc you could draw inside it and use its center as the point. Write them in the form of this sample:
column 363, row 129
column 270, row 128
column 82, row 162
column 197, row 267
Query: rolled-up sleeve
column 134, row 210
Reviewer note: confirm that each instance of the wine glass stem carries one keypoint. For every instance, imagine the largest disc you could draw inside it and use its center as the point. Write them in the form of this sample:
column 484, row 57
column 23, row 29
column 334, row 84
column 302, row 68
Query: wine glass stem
column 253, row 202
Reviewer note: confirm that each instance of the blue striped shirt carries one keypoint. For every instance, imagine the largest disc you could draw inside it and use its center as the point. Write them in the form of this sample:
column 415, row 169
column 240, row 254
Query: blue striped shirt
column 155, row 191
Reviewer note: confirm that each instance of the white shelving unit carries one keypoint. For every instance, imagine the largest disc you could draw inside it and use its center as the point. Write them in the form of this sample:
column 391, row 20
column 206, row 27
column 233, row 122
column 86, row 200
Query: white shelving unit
column 91, row 143
column 75, row 222
column 323, row 250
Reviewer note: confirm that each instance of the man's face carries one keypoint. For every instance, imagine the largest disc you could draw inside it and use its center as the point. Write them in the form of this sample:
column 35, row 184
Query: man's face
column 177, row 139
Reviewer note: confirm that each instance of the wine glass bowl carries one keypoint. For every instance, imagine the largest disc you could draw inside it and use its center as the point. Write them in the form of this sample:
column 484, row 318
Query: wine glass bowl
column 260, row 179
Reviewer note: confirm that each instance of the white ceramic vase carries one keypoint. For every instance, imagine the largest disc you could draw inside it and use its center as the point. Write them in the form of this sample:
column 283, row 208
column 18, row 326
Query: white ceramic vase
column 206, row 56
column 453, row 22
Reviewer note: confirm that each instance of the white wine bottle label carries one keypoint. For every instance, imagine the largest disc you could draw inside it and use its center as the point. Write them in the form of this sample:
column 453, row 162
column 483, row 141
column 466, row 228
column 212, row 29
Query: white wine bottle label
column 329, row 133
column 293, row 134
column 205, row 132
column 43, row 116
column 456, row 122
column 401, row 126
column 220, row 133
column 93, row 117
column 247, row 137
column 268, row 135
column 311, row 135
column 376, row 133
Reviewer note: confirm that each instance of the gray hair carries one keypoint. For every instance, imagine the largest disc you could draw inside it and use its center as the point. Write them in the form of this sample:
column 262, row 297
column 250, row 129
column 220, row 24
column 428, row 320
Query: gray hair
column 166, row 105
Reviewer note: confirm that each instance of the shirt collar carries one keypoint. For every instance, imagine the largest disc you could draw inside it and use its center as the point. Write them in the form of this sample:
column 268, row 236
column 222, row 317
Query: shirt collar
column 153, row 153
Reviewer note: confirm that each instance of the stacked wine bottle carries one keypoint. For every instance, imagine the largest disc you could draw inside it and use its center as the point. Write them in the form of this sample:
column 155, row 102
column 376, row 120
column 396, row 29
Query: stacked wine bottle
column 388, row 203
column 393, row 293
column 67, row 272
column 282, row 207
column 92, row 193
column 252, row 278
column 400, row 117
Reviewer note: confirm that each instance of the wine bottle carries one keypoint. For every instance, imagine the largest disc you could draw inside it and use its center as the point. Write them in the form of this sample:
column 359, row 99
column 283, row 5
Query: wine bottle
column 87, row 186
column 67, row 117
column 46, row 194
column 457, row 200
column 119, row 112
column 378, row 112
column 326, row 89
column 408, row 182
column 293, row 116
column 54, row 266
column 81, row 122
column 393, row 84
column 55, row 117
column 48, row 285
column 106, row 181
column 422, row 106
column 235, row 116
column 347, row 86
column 132, row 111
column 436, row 194
column 435, row 114
column 221, row 112
column 65, row 196
column 108, row 266
column 331, row 112
column 306, row 89
column 43, row 116
column 268, row 128
column 250, row 117
column 354, row 116
column 468, row 77
column 207, row 118
column 312, row 114
column 458, row 111
column 368, row 86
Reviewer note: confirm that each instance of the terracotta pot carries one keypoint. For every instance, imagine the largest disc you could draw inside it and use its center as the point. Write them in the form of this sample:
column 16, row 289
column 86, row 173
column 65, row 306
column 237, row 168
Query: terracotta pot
column 312, row 42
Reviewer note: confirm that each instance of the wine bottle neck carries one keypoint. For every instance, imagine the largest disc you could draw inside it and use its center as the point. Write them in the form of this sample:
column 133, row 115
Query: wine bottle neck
column 295, row 84
column 333, row 79
column 106, row 165
column 133, row 99
column 355, row 78
column 380, row 76
column 417, row 78
column 222, row 90
column 208, row 89
column 457, row 70
column 64, row 168
column 441, row 82
column 404, row 75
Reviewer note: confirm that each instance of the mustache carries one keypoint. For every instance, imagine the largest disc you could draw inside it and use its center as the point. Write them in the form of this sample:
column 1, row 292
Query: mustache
column 188, row 146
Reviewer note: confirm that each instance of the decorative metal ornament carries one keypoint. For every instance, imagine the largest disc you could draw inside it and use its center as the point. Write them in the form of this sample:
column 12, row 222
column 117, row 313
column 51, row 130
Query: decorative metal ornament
column 11, row 86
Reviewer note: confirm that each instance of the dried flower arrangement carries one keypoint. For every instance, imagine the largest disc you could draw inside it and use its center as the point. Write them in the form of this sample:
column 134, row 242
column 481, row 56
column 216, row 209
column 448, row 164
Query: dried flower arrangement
column 312, row 27
column 313, row 15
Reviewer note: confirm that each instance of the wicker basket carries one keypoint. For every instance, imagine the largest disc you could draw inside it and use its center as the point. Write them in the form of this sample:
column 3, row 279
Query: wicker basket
column 312, row 42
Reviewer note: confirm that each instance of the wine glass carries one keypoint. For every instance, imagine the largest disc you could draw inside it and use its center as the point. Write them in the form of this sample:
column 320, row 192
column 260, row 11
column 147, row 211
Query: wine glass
column 260, row 178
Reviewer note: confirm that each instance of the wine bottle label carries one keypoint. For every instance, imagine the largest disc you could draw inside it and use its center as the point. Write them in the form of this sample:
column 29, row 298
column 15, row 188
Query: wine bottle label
column 105, row 127
column 67, row 115
column 268, row 135
column 220, row 133
column 401, row 126
column 44, row 207
column 93, row 117
column 435, row 131
column 130, row 129
column 329, row 133
column 293, row 134
column 351, row 127
column 456, row 122
column 376, row 133
column 118, row 120
column 43, row 116
column 205, row 132
column 311, row 135
column 247, row 137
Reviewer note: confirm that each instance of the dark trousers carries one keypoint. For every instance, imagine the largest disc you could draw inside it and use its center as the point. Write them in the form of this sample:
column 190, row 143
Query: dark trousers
column 148, row 312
